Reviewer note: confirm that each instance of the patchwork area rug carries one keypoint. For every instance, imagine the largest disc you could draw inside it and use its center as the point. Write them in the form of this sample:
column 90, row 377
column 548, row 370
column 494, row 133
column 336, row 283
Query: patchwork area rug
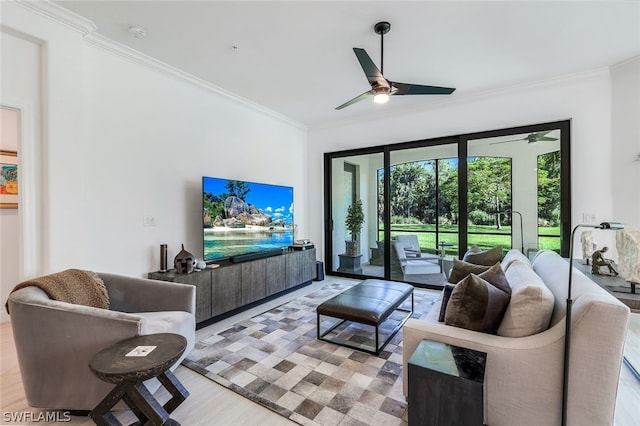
column 275, row 360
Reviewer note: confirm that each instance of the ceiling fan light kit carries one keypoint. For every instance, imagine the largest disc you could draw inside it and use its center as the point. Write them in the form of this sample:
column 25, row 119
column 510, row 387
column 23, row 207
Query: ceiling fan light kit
column 381, row 95
column 381, row 88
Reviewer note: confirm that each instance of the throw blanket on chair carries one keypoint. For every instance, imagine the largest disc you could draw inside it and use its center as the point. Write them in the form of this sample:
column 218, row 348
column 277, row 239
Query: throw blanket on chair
column 72, row 286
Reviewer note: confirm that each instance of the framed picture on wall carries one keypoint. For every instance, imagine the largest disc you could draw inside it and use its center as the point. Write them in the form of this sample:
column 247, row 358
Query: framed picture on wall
column 8, row 179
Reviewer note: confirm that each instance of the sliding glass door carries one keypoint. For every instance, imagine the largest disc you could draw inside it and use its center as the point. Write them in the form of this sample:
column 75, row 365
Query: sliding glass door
column 355, row 191
column 515, row 191
column 420, row 204
column 423, row 204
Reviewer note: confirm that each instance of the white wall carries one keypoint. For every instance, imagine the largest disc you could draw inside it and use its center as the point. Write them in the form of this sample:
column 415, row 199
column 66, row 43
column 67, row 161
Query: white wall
column 585, row 99
column 123, row 139
column 20, row 90
column 625, row 136
column 149, row 139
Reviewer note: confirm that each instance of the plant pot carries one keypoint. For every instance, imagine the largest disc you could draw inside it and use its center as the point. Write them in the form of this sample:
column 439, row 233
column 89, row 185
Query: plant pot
column 352, row 248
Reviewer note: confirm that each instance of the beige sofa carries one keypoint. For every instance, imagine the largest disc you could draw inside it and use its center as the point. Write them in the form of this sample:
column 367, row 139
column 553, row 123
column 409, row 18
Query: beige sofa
column 523, row 376
column 55, row 340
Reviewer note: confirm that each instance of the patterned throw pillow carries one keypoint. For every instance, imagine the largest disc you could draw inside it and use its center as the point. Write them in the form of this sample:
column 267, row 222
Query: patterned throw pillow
column 477, row 305
column 494, row 275
column 488, row 257
column 461, row 269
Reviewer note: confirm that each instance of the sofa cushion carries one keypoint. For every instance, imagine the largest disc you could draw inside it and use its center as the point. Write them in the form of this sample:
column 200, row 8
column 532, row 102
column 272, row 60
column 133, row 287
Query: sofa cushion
column 531, row 305
column 512, row 255
column 461, row 269
column 487, row 257
column 476, row 304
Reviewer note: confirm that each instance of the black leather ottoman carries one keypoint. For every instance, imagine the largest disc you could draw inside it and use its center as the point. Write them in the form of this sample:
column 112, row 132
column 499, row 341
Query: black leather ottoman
column 371, row 302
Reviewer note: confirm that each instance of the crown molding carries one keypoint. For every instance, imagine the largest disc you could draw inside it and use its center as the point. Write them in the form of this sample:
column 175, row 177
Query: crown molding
column 626, row 62
column 88, row 29
column 126, row 52
column 58, row 14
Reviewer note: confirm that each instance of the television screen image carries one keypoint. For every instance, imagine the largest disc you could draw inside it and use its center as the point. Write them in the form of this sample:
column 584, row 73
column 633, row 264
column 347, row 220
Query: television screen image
column 244, row 217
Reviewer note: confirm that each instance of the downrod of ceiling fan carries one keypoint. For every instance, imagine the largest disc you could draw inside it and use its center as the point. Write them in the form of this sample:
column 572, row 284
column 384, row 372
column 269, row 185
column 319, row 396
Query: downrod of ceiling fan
column 382, row 28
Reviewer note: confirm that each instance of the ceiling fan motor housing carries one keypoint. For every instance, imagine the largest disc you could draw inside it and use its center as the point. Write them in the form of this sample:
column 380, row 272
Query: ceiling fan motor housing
column 382, row 27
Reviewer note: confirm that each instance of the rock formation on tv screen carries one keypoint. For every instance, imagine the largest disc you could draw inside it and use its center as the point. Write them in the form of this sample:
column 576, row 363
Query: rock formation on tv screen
column 238, row 214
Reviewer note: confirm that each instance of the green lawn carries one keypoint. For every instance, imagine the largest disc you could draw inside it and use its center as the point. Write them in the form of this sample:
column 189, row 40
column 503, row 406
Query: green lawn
column 449, row 233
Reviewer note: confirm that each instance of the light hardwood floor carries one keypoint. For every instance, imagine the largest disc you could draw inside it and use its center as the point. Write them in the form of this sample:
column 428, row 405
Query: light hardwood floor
column 210, row 403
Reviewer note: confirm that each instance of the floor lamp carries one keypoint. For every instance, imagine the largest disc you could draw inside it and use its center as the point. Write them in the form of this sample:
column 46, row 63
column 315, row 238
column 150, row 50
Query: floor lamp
column 521, row 232
column 567, row 333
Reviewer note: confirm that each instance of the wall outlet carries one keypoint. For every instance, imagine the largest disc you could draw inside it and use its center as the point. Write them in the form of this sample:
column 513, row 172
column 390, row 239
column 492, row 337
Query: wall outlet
column 589, row 218
column 148, row 221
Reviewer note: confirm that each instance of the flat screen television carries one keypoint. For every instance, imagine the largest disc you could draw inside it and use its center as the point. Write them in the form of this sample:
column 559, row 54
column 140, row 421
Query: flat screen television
column 244, row 217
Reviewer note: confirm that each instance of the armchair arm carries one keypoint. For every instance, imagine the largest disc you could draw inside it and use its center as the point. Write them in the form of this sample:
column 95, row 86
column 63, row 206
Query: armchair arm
column 55, row 341
column 129, row 294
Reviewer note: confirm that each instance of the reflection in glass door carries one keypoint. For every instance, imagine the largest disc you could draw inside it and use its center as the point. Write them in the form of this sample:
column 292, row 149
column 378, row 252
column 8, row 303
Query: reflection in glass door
column 423, row 200
column 513, row 191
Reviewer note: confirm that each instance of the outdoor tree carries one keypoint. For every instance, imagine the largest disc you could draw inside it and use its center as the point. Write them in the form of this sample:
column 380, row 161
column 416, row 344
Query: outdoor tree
column 549, row 187
column 489, row 185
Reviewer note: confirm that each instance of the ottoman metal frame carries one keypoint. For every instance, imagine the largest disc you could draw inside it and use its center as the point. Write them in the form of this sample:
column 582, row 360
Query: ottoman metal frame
column 370, row 303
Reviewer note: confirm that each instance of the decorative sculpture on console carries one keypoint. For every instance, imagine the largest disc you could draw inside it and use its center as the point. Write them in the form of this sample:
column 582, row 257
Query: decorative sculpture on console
column 598, row 260
column 588, row 245
column 184, row 262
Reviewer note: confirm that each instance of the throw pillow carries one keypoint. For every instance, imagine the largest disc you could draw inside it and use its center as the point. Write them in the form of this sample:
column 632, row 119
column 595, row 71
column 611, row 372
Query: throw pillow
column 488, row 257
column 476, row 305
column 461, row 269
column 495, row 276
column 446, row 295
column 531, row 306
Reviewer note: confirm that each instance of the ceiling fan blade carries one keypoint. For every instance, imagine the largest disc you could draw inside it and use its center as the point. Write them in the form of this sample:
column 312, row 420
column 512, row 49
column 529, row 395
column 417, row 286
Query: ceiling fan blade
column 356, row 99
column 512, row 140
column 372, row 72
column 418, row 89
column 546, row 138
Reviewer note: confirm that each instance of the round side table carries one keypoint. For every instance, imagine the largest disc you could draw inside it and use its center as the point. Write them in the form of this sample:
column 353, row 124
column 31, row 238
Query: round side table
column 128, row 364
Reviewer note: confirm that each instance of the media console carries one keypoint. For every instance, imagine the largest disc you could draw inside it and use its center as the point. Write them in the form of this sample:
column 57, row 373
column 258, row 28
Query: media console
column 256, row 255
column 235, row 286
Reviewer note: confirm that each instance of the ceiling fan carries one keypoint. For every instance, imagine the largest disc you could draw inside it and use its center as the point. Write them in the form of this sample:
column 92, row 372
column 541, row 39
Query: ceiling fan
column 381, row 88
column 532, row 138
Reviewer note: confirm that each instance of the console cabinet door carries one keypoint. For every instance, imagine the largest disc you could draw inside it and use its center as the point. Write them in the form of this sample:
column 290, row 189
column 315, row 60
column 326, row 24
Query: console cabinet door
column 276, row 274
column 253, row 281
column 226, row 289
column 308, row 265
column 300, row 267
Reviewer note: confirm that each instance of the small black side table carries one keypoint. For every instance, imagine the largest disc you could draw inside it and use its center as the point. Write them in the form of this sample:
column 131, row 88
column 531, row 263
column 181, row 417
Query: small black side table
column 113, row 365
column 445, row 385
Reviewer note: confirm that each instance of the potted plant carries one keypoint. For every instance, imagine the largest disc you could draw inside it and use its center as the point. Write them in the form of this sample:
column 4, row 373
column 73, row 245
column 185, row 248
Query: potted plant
column 353, row 223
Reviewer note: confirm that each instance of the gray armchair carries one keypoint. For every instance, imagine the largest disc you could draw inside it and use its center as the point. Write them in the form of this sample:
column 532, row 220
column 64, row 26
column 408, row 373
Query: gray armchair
column 55, row 340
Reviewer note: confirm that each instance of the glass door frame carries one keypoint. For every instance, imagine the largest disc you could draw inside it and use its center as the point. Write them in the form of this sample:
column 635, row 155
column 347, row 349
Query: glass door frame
column 462, row 141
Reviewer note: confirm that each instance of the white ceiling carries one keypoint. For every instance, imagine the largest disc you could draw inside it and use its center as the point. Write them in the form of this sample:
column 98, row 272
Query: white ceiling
column 296, row 58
